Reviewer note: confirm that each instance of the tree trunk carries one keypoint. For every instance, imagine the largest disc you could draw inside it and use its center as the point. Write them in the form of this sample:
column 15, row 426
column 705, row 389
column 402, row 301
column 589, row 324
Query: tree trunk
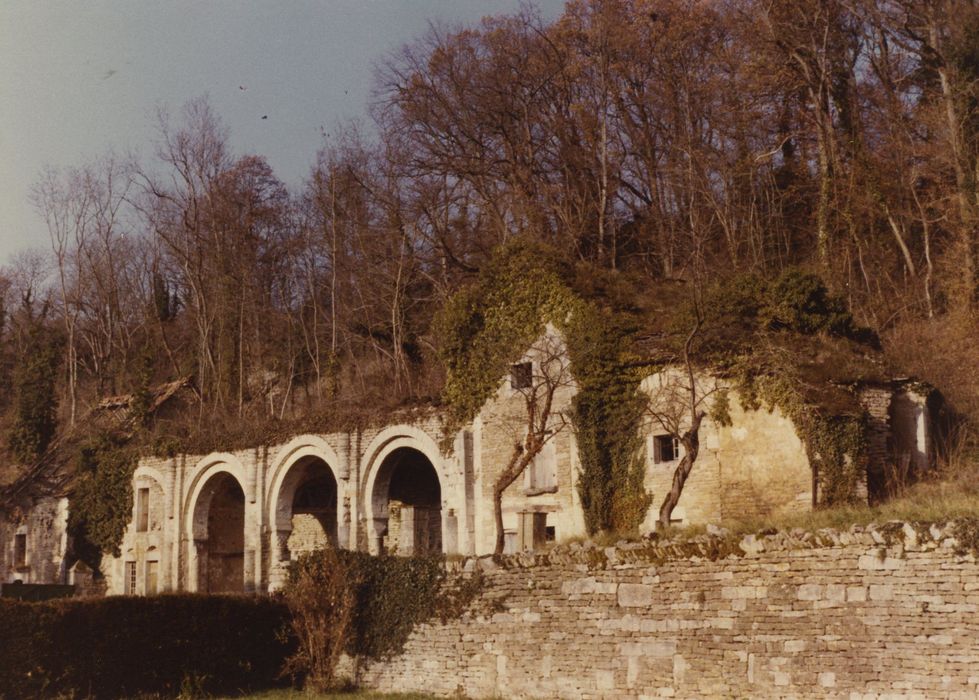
column 691, row 447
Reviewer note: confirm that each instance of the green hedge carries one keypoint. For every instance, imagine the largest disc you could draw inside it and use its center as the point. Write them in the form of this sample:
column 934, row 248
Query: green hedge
column 125, row 646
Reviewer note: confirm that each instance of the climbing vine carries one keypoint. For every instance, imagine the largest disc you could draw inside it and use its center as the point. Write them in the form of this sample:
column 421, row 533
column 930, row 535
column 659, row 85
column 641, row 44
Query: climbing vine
column 100, row 505
column 488, row 326
column 768, row 371
column 835, row 442
column 607, row 418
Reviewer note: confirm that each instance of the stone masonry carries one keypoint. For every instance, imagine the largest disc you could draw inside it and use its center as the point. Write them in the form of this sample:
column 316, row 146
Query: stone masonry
column 887, row 612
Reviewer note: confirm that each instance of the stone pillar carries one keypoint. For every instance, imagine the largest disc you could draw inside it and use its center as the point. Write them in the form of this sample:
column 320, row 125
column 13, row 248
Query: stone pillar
column 197, row 567
column 343, row 452
column 408, row 532
column 380, row 528
column 450, row 532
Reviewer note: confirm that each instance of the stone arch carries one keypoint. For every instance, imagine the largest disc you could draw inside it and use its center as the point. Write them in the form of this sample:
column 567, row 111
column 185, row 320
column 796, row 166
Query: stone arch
column 305, row 480
column 404, row 467
column 216, row 519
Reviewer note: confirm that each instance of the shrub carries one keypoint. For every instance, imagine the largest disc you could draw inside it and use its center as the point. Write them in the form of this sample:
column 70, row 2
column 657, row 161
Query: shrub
column 800, row 302
column 125, row 646
column 390, row 595
column 320, row 596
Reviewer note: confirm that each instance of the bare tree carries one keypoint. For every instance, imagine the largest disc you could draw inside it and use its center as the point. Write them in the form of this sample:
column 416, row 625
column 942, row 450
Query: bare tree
column 539, row 381
column 65, row 203
column 678, row 405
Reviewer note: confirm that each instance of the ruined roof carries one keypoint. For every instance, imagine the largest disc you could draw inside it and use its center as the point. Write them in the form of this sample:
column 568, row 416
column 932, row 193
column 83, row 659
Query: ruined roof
column 50, row 474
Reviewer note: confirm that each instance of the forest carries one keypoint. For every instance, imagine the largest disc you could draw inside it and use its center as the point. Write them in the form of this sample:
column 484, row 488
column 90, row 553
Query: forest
column 653, row 144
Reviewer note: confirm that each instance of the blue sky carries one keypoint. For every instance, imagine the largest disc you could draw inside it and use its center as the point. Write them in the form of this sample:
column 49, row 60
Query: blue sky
column 78, row 78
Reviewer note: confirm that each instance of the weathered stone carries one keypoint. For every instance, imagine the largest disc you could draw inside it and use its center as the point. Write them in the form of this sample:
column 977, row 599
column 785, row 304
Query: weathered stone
column 631, row 595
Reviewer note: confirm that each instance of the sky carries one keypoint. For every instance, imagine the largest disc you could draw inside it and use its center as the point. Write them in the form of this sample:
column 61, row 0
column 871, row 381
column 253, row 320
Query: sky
column 80, row 78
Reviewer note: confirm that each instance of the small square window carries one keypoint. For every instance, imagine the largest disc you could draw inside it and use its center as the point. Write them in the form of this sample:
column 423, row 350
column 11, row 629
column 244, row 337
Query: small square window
column 666, row 448
column 550, row 534
column 20, row 551
column 521, row 375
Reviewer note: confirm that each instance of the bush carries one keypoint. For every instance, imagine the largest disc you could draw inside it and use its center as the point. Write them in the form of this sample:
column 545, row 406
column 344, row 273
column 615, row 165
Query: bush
column 126, row 646
column 390, row 595
column 321, row 599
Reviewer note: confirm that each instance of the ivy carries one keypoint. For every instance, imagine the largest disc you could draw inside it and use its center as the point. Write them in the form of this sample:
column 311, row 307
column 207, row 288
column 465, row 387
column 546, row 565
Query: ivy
column 835, row 443
column 488, row 326
column 391, row 596
column 768, row 370
column 607, row 418
column 100, row 505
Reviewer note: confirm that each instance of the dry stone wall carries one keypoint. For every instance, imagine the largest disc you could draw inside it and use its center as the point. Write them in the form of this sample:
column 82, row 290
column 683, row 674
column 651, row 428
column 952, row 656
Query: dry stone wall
column 888, row 612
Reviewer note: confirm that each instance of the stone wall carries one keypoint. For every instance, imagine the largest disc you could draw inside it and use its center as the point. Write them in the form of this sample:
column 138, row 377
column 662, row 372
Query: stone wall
column 756, row 467
column 44, row 538
column 886, row 612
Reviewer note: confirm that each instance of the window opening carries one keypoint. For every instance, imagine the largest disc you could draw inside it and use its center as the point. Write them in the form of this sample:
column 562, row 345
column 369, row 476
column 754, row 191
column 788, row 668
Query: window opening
column 130, row 578
column 152, row 569
column 521, row 375
column 666, row 448
column 20, row 551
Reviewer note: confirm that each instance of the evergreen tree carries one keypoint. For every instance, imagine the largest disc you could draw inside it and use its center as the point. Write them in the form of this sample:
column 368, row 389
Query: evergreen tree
column 35, row 401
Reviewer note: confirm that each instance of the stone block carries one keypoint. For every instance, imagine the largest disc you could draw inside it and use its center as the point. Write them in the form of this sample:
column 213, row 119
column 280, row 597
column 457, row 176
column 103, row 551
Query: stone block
column 664, row 649
column 881, row 592
column 634, row 595
column 809, row 591
column 604, row 680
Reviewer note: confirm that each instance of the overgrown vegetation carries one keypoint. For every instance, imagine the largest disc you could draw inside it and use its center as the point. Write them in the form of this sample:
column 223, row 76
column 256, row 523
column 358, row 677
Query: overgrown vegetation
column 321, row 601
column 101, row 502
column 365, row 605
column 792, row 345
column 654, row 149
column 502, row 317
column 608, row 412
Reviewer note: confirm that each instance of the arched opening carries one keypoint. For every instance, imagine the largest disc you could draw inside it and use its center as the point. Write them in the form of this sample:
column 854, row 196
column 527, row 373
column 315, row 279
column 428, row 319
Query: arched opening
column 221, row 543
column 407, row 503
column 308, row 503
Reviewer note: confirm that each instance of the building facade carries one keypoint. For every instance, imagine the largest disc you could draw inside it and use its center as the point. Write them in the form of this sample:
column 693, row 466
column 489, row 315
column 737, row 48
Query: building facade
column 232, row 521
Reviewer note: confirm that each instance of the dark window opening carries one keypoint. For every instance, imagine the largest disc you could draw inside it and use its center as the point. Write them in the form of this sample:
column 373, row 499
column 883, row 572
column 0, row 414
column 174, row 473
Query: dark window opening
column 666, row 448
column 550, row 535
column 20, row 551
column 521, row 375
